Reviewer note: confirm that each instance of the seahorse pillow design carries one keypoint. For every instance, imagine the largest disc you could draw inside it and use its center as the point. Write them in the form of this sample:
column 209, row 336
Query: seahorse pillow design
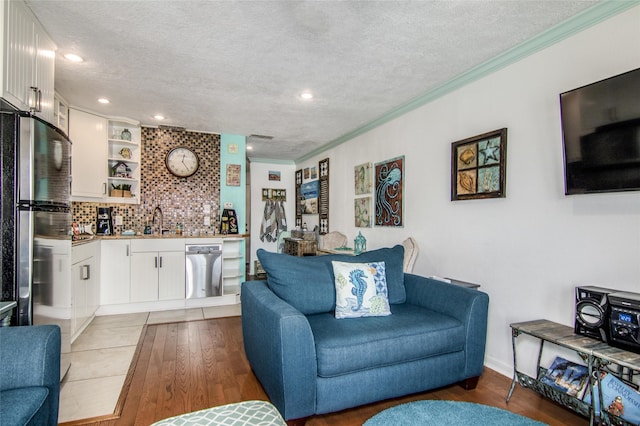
column 361, row 290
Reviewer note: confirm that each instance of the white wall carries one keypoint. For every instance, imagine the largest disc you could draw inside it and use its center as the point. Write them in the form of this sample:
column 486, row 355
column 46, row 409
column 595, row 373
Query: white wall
column 530, row 249
column 259, row 180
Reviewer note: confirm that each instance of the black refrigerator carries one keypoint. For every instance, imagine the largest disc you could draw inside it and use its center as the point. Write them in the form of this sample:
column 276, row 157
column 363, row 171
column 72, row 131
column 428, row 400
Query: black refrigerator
column 36, row 222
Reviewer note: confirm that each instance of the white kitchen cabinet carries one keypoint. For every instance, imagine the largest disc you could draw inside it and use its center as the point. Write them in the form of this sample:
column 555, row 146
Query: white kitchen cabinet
column 28, row 67
column 157, row 269
column 171, row 278
column 115, row 268
column 85, row 286
column 104, row 158
column 60, row 114
column 88, row 134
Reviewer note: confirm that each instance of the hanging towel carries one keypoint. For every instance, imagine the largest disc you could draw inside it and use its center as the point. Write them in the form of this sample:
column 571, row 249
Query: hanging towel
column 268, row 221
column 274, row 221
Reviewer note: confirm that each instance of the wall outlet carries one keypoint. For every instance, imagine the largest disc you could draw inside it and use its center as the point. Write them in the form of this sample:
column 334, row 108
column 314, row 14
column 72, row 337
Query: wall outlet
column 206, row 208
column 118, row 220
column 207, row 221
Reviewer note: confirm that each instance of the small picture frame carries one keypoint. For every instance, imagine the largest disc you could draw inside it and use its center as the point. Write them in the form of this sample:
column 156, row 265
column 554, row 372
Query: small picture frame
column 362, row 212
column 362, row 179
column 478, row 166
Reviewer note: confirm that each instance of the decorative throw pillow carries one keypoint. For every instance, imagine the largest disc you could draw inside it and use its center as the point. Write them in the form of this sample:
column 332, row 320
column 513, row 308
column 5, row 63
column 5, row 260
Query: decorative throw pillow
column 361, row 290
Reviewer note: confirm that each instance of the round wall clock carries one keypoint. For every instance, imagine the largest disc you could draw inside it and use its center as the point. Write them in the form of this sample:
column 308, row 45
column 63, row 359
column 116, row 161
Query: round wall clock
column 182, row 161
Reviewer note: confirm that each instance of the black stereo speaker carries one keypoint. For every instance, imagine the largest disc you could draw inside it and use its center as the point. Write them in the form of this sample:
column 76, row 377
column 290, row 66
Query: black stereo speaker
column 592, row 312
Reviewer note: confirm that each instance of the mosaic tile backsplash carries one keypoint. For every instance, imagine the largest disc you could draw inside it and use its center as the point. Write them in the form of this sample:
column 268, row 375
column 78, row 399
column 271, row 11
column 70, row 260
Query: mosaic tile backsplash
column 181, row 199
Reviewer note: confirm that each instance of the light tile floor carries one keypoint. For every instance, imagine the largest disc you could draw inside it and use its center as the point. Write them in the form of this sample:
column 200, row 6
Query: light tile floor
column 101, row 356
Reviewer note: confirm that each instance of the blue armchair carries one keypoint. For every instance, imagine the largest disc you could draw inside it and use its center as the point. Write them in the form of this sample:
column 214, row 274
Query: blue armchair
column 30, row 375
column 310, row 362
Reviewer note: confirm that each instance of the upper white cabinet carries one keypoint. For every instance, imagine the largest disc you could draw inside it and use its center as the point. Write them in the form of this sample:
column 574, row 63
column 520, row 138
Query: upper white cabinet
column 28, row 67
column 105, row 158
column 88, row 134
column 60, row 114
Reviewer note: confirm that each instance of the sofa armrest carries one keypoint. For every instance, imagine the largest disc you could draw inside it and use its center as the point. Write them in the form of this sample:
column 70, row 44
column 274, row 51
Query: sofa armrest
column 279, row 345
column 30, row 356
column 467, row 305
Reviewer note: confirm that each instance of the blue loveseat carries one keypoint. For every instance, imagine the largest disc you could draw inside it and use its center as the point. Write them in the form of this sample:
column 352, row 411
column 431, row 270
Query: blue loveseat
column 311, row 363
column 30, row 376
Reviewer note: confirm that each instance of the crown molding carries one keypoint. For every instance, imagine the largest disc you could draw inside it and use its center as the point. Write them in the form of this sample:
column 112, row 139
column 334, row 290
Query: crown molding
column 587, row 18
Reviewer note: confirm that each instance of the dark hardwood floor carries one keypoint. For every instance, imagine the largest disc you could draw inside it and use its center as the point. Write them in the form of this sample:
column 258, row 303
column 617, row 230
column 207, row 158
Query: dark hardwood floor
column 183, row 367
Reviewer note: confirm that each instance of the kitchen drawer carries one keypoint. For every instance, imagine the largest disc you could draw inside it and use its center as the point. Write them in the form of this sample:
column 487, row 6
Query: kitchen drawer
column 157, row 244
column 84, row 251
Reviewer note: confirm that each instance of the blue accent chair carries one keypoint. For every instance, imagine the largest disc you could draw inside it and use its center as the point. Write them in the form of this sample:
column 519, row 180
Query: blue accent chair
column 29, row 375
column 311, row 363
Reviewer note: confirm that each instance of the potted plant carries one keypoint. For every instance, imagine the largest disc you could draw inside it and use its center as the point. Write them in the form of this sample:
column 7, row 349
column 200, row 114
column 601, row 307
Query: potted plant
column 126, row 190
column 116, row 191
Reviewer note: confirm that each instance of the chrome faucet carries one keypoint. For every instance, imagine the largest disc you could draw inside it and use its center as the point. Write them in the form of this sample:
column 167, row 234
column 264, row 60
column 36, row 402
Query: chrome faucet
column 158, row 210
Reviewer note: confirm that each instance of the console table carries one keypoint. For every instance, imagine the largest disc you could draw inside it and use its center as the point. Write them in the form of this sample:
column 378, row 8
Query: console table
column 597, row 355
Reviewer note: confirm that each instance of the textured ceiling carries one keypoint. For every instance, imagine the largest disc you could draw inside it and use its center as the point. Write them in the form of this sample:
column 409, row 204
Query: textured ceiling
column 239, row 66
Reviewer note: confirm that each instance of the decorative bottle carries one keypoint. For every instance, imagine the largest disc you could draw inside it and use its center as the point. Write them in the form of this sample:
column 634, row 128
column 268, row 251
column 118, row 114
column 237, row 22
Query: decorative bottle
column 125, row 135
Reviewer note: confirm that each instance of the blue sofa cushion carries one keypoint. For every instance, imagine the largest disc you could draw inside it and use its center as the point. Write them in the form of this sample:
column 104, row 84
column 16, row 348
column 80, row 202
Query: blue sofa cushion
column 307, row 283
column 24, row 406
column 410, row 333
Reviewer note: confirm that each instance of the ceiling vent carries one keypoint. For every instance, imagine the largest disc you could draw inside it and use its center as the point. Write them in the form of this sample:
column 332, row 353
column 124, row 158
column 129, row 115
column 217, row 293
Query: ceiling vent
column 261, row 137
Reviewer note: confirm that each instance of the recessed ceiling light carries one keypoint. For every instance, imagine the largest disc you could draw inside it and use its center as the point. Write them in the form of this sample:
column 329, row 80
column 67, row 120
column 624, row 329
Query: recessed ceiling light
column 103, row 100
column 73, row 57
column 306, row 95
column 249, row 147
column 158, row 117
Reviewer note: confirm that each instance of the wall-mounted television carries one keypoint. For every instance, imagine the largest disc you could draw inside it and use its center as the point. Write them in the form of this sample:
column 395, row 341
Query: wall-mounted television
column 601, row 135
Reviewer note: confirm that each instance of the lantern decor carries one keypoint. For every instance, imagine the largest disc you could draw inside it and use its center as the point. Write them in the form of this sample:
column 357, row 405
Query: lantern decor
column 359, row 244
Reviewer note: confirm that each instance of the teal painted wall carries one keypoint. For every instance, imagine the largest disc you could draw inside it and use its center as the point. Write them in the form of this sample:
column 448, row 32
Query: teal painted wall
column 233, row 151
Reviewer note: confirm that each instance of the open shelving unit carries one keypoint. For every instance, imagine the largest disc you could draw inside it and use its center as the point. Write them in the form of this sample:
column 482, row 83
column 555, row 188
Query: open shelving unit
column 232, row 265
column 124, row 152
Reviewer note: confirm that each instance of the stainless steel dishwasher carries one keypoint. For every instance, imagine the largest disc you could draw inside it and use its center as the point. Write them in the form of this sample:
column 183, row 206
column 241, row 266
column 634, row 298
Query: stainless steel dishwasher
column 203, row 270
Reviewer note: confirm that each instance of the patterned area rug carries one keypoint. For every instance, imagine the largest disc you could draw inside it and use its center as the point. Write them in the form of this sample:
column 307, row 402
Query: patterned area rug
column 451, row 413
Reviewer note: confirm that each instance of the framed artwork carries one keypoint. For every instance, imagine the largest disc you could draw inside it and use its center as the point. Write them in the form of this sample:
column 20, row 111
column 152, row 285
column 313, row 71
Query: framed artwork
column 478, row 166
column 274, row 175
column 363, row 212
column 233, row 174
column 309, row 192
column 389, row 182
column 362, row 177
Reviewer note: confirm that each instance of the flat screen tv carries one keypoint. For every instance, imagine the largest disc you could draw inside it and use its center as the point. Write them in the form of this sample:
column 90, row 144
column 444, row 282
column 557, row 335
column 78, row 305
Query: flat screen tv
column 601, row 135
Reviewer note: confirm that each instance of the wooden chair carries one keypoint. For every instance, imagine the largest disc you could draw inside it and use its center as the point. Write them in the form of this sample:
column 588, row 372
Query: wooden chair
column 410, row 254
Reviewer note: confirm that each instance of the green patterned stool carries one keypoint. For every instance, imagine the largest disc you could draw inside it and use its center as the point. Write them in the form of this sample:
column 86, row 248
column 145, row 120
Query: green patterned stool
column 247, row 413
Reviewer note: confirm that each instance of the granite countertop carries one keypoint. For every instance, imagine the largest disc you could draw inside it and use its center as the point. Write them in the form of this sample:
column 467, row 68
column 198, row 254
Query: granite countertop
column 154, row 236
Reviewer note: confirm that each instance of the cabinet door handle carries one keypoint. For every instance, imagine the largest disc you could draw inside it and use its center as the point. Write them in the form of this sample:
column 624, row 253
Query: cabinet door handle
column 33, row 102
column 39, row 103
column 127, row 246
column 160, row 261
column 156, row 260
column 85, row 272
column 104, row 188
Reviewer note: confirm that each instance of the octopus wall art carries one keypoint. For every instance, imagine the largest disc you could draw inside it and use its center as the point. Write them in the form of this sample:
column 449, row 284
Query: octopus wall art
column 389, row 182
